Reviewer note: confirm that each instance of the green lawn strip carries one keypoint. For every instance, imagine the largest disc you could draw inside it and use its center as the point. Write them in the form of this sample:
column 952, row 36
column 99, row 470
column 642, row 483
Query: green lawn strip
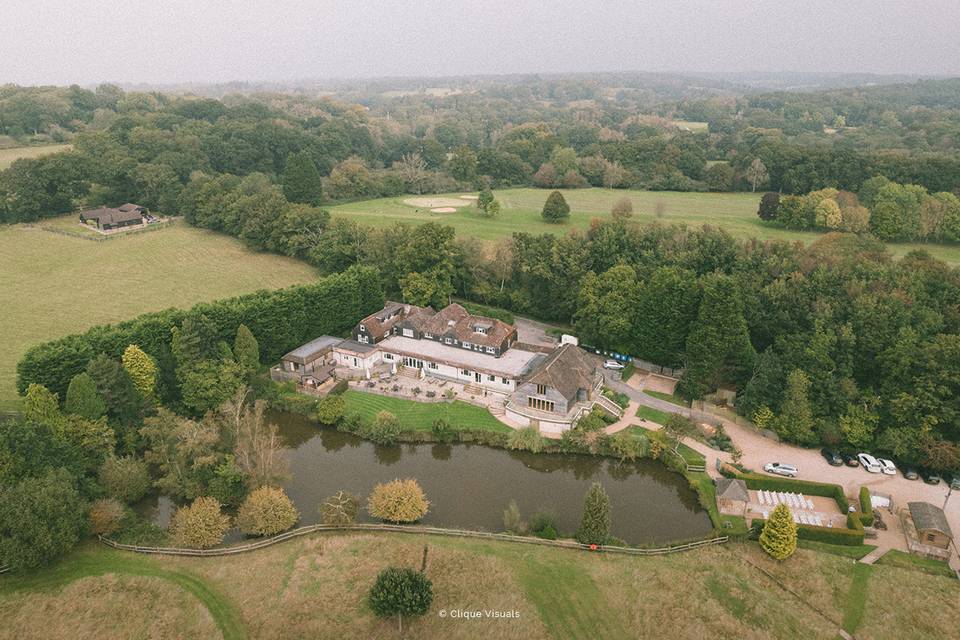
column 419, row 416
column 628, row 372
column 855, row 553
column 856, row 601
column 904, row 560
column 651, row 414
column 667, row 397
column 92, row 560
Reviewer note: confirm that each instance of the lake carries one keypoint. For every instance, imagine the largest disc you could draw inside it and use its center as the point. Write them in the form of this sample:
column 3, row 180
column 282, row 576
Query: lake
column 469, row 486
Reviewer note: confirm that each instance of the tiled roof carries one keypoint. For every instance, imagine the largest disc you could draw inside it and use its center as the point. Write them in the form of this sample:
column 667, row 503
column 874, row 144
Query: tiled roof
column 381, row 323
column 454, row 320
column 568, row 369
column 732, row 489
column 928, row 516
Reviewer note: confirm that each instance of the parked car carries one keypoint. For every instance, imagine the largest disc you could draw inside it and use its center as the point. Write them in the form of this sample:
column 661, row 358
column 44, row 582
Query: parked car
column 910, row 473
column 850, row 459
column 870, row 463
column 781, row 469
column 831, row 456
column 888, row 467
column 614, row 365
column 930, row 477
column 955, row 482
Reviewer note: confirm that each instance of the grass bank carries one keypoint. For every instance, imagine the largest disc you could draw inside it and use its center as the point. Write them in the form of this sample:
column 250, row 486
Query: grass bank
column 11, row 155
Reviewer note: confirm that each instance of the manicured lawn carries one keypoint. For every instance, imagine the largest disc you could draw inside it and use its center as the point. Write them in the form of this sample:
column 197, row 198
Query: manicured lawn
column 667, row 397
column 904, row 560
column 8, row 156
column 419, row 416
column 735, row 212
column 315, row 587
column 837, row 549
column 651, row 414
column 55, row 285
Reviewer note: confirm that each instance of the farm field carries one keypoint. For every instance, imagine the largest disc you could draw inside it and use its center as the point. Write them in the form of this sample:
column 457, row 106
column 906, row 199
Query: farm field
column 8, row 156
column 54, row 285
column 315, row 587
column 735, row 212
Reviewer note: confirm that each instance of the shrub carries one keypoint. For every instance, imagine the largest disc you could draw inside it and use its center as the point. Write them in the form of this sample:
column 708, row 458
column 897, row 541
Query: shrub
column 385, row 428
column 106, row 516
column 595, row 522
column 779, row 536
column 398, row 501
column 555, row 209
column 526, row 439
column 866, row 507
column 622, row 208
column 200, row 525
column 512, row 520
column 400, row 592
column 266, row 512
column 442, row 431
column 544, row 525
column 331, row 409
column 340, row 387
column 127, row 479
column 340, row 509
column 628, row 447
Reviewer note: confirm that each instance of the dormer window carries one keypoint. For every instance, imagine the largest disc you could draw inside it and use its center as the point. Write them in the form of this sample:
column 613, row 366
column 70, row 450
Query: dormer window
column 541, row 389
column 363, row 329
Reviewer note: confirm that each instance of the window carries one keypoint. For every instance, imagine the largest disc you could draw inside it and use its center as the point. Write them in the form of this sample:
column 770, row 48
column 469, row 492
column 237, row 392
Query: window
column 465, row 372
column 432, row 365
column 491, row 350
column 388, row 356
column 931, row 537
column 504, row 380
column 541, row 389
column 491, row 378
column 408, row 333
column 363, row 328
column 539, row 405
column 364, row 339
column 465, row 345
column 428, row 335
column 482, row 330
column 448, row 341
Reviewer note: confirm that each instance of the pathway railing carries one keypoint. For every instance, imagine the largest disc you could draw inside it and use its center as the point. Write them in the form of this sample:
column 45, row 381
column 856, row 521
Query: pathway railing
column 416, row 529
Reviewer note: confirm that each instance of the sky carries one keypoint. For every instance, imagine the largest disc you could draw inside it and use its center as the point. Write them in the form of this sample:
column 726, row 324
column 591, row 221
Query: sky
column 174, row 41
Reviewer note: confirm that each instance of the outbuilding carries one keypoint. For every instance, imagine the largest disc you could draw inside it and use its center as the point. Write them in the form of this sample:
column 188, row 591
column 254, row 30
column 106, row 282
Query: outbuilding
column 931, row 524
column 732, row 496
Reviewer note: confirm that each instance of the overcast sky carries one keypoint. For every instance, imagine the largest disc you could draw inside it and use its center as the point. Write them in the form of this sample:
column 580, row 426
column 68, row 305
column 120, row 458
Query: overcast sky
column 168, row 41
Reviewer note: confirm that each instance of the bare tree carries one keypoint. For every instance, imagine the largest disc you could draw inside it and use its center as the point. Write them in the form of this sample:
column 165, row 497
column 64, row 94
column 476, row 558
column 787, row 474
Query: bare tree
column 413, row 170
column 757, row 174
column 257, row 446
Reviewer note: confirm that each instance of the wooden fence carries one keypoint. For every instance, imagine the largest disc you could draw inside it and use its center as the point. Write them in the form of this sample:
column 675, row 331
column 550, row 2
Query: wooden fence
column 505, row 537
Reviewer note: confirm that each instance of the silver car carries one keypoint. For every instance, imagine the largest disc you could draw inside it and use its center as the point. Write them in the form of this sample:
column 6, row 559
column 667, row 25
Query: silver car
column 781, row 469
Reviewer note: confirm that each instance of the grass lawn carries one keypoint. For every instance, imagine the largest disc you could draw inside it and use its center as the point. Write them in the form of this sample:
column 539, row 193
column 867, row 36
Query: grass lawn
column 651, row 414
column 735, row 212
column 904, row 560
column 8, row 156
column 315, row 587
column 667, row 397
column 55, row 285
column 419, row 416
column 854, row 553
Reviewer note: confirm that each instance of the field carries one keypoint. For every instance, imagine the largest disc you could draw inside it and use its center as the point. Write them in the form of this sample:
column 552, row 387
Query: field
column 55, row 285
column 460, row 415
column 735, row 212
column 7, row 156
column 314, row 587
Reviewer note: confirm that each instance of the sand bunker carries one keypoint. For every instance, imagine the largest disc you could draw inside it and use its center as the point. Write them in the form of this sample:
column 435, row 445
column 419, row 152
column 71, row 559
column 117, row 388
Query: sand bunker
column 431, row 203
column 444, row 210
column 469, row 197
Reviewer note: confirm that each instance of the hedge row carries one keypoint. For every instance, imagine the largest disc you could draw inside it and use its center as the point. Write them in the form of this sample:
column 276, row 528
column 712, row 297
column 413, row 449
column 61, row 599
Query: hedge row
column 852, row 536
column 281, row 320
column 866, row 507
column 826, row 490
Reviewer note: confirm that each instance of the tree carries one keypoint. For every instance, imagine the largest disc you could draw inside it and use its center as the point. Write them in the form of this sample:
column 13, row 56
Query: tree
column 493, row 209
column 858, row 426
column 246, row 350
column 83, row 399
column 595, row 522
column 301, row 180
column 199, row 526
column 106, row 516
column 400, row 592
column 757, row 174
column 258, row 449
column 795, row 421
column 207, row 384
column 398, row 501
column 185, row 452
column 340, row 509
column 779, row 535
column 678, row 427
column 127, row 479
column 463, row 163
column 115, row 386
column 769, row 203
column 229, row 484
column 484, row 199
column 719, row 176
column 41, row 405
column 622, row 208
column 330, row 409
column 555, row 209
column 827, row 214
column 41, row 518
column 546, row 176
column 142, row 370
column 512, row 520
column 266, row 512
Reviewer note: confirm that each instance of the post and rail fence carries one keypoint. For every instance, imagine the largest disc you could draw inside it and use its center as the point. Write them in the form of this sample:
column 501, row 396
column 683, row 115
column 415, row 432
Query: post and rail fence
column 416, row 529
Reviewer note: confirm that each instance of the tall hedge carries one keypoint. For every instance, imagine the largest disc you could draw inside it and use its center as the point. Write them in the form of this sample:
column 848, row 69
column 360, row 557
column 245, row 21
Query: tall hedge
column 789, row 485
column 281, row 320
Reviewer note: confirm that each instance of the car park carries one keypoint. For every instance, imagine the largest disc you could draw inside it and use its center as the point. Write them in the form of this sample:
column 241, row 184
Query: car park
column 887, row 466
column 850, row 459
column 869, row 463
column 781, row 469
column 831, row 456
column 910, row 473
column 930, row 477
column 614, row 365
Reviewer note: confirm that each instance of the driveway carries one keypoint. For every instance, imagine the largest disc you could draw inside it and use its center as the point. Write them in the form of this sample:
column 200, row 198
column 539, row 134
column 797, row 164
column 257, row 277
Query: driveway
column 758, row 450
column 533, row 332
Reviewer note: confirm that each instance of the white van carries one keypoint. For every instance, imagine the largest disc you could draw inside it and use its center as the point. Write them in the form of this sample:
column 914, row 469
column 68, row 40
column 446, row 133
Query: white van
column 870, row 463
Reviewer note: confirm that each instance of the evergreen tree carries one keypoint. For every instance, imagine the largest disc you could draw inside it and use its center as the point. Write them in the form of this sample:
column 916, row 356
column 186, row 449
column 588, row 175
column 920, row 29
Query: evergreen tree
column 484, row 199
column 400, row 592
column 246, row 350
column 555, row 209
column 769, row 203
column 195, row 339
column 595, row 523
column 301, row 180
column 83, row 399
column 124, row 403
column 779, row 536
column 142, row 370
column 718, row 347
column 795, row 422
column 41, row 405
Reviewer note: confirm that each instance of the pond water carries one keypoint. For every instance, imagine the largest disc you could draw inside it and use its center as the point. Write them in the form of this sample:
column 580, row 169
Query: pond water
column 469, row 486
